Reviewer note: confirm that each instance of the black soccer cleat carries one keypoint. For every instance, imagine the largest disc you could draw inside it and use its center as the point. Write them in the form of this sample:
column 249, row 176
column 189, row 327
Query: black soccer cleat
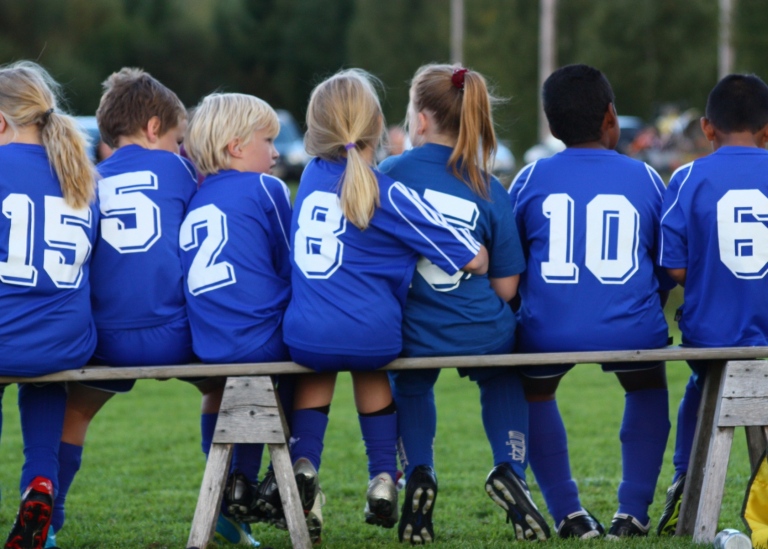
column 668, row 521
column 34, row 519
column 240, row 499
column 268, row 501
column 416, row 517
column 581, row 525
column 626, row 526
column 511, row 494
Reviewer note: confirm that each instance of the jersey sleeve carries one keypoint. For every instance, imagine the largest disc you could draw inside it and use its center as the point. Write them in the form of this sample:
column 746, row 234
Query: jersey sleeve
column 426, row 231
column 673, row 244
column 515, row 190
column 278, row 218
column 506, row 254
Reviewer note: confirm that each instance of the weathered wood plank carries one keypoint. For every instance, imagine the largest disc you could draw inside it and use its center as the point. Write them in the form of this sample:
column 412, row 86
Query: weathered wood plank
column 289, row 495
column 249, row 412
column 756, row 442
column 751, row 411
column 523, row 359
column 713, row 485
column 211, row 491
column 746, row 378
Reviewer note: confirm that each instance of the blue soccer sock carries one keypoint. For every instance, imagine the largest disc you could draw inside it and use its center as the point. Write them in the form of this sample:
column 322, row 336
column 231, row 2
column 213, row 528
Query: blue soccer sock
column 70, row 458
column 505, row 418
column 207, row 429
column 246, row 458
column 416, row 419
column 380, row 438
column 307, row 434
column 644, row 433
column 687, row 416
column 549, row 461
column 42, row 422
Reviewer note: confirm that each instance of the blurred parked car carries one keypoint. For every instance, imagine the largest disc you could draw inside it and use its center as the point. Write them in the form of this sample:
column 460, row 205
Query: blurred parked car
column 290, row 144
column 91, row 129
column 630, row 127
column 503, row 163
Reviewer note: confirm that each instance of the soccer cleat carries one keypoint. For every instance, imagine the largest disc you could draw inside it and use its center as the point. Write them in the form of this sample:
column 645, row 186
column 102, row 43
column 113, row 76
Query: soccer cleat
column 268, row 501
column 625, row 526
column 511, row 494
column 381, row 504
column 668, row 522
column 315, row 518
column 230, row 531
column 416, row 516
column 50, row 541
column 240, row 499
column 310, row 496
column 581, row 525
column 34, row 519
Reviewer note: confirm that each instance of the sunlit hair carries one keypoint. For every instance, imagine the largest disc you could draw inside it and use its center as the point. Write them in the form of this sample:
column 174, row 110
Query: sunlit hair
column 29, row 96
column 344, row 110
column 219, row 119
column 463, row 112
column 131, row 98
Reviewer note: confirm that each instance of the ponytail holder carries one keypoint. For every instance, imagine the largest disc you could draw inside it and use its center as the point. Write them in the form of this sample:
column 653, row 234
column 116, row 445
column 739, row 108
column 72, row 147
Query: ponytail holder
column 349, row 146
column 47, row 115
column 458, row 78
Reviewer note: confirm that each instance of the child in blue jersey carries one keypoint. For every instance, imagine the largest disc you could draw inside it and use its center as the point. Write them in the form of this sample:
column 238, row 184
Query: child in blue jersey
column 588, row 222
column 47, row 189
column 235, row 250
column 137, row 291
column 715, row 243
column 357, row 235
column 450, row 120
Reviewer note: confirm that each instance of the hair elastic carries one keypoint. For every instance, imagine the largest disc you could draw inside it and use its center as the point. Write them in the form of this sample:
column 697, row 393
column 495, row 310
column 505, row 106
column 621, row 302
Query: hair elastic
column 458, row 78
column 349, row 146
column 47, row 115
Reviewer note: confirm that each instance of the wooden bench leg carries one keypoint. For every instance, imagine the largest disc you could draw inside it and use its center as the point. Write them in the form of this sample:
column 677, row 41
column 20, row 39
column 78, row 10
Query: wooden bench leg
column 755, row 444
column 700, row 450
column 289, row 495
column 211, row 492
column 713, row 485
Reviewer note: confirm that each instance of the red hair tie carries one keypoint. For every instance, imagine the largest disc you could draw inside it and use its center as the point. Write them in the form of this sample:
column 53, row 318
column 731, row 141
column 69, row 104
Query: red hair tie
column 458, row 78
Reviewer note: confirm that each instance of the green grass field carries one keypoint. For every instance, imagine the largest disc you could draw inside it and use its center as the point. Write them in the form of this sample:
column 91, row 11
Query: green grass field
column 142, row 468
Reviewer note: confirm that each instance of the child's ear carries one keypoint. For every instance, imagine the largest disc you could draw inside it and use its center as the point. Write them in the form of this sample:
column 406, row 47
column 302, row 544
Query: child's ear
column 611, row 119
column 233, row 148
column 761, row 137
column 422, row 121
column 708, row 128
column 153, row 129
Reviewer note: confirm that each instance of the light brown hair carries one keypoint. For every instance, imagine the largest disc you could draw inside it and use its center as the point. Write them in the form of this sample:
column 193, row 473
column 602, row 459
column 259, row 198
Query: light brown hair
column 29, row 96
column 344, row 118
column 131, row 98
column 461, row 110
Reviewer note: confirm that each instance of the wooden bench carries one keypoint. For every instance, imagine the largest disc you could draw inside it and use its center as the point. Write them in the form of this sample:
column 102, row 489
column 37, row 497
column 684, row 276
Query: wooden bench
column 250, row 413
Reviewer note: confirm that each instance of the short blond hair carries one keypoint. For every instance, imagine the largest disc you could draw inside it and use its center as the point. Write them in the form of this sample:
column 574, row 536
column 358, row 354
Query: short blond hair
column 221, row 118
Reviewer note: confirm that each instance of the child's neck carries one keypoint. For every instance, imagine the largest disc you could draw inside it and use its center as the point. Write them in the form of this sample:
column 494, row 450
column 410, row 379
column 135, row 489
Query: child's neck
column 590, row 145
column 736, row 139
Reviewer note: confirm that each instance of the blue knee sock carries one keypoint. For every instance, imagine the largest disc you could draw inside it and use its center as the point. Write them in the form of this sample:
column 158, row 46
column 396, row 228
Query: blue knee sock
column 207, row 429
column 307, row 434
column 505, row 418
column 687, row 416
column 380, row 438
column 548, row 447
column 246, row 459
column 644, row 433
column 416, row 427
column 70, row 458
column 42, row 421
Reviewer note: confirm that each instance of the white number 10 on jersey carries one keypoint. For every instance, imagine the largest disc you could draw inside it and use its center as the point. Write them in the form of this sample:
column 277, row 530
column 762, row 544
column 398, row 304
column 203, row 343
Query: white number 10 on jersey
column 612, row 239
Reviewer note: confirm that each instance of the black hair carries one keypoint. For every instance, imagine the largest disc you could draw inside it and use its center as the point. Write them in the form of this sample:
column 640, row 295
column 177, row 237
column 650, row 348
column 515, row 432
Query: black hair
column 575, row 100
column 739, row 102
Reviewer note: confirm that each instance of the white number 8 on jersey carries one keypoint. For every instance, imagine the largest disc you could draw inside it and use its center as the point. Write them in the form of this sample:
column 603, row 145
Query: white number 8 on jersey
column 317, row 249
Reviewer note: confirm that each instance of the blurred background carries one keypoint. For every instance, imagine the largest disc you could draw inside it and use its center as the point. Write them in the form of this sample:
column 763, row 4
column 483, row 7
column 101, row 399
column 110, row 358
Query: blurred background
column 661, row 56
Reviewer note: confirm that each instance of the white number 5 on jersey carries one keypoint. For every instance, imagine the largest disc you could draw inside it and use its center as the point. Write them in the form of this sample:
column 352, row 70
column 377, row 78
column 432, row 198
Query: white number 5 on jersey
column 121, row 195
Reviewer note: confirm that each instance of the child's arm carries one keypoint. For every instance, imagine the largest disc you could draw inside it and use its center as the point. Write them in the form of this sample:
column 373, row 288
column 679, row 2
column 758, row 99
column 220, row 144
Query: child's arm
column 505, row 288
column 479, row 265
column 678, row 275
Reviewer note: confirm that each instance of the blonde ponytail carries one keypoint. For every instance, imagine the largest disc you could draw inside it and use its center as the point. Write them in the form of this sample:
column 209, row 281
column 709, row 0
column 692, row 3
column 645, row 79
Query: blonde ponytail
column 28, row 96
column 344, row 118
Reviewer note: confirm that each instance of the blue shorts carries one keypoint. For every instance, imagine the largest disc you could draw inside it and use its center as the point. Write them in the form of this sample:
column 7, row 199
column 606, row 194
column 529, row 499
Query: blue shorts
column 336, row 363
column 555, row 370
column 159, row 345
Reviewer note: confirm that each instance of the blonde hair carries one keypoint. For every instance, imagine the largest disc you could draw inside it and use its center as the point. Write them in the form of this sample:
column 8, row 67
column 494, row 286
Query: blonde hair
column 221, row 118
column 131, row 98
column 343, row 119
column 28, row 96
column 461, row 110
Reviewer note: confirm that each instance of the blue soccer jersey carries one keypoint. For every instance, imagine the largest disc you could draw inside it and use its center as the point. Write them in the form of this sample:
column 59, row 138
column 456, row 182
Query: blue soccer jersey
column 349, row 286
column 236, row 257
column 45, row 252
column 143, row 195
column 588, row 222
column 460, row 313
column 715, row 225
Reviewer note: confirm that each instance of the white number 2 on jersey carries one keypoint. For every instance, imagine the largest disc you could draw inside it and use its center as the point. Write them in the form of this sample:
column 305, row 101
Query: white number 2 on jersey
column 459, row 212
column 612, row 239
column 317, row 250
column 122, row 195
column 742, row 233
column 63, row 232
column 204, row 273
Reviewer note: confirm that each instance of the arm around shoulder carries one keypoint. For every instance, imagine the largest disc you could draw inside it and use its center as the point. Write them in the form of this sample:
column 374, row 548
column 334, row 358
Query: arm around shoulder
column 505, row 287
column 479, row 265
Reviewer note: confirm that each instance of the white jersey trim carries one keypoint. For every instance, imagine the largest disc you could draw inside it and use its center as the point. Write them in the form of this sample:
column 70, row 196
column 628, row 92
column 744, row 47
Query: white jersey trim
column 688, row 166
column 277, row 212
column 530, row 167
